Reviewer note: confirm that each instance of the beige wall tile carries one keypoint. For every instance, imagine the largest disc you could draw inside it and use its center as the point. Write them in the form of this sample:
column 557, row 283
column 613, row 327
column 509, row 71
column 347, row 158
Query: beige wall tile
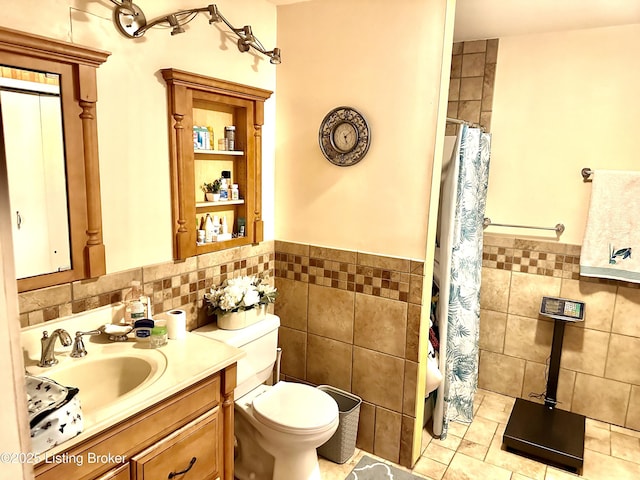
column 501, row 373
column 291, row 247
column 454, row 89
column 44, row 297
column 378, row 378
column 469, row 110
column 493, row 327
column 535, row 381
column 169, row 269
column 600, row 398
column 472, row 65
column 527, row 292
column 366, row 427
column 106, row 283
column 599, row 299
column 333, row 254
column 627, row 312
column 494, row 289
column 409, row 396
column 475, row 46
column 406, row 441
column 492, row 50
column 294, row 352
column 626, row 447
column 498, row 240
column 217, row 258
column 380, row 324
column 528, row 338
column 328, row 362
column 623, row 361
column 633, row 415
column 487, row 85
column 471, row 88
column 538, row 246
column 387, row 434
column 384, row 262
column 291, row 305
column 413, row 332
column 415, row 289
column 584, row 350
column 456, row 66
column 331, row 313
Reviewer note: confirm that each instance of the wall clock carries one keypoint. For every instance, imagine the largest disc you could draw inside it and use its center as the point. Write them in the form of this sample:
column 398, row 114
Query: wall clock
column 344, row 136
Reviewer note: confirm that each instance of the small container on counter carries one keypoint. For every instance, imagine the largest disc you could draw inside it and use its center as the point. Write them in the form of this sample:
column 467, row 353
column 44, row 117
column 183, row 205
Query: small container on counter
column 159, row 334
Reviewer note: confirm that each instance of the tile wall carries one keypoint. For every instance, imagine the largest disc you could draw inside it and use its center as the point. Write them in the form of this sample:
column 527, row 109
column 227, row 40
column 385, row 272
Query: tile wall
column 473, row 68
column 171, row 285
column 351, row 320
column 600, row 367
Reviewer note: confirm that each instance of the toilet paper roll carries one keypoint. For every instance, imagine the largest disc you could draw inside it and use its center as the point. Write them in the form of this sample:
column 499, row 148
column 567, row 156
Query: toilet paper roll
column 176, row 324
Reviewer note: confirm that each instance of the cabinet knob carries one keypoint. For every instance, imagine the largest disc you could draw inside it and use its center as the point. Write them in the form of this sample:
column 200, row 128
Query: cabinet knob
column 182, row 472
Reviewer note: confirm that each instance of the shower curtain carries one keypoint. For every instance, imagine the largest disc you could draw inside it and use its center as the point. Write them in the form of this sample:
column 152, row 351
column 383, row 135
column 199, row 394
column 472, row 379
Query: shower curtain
column 463, row 198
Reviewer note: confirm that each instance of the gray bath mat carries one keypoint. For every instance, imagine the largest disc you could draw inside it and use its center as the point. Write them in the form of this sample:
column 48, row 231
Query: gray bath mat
column 371, row 469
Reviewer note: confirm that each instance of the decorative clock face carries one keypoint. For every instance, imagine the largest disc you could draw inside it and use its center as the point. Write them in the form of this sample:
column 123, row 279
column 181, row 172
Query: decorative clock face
column 344, row 136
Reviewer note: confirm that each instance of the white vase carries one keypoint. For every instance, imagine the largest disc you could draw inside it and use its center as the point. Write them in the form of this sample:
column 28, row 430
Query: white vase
column 242, row 319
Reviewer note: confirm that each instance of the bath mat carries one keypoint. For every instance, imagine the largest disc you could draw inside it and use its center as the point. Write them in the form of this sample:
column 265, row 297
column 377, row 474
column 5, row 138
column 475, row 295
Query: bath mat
column 371, row 469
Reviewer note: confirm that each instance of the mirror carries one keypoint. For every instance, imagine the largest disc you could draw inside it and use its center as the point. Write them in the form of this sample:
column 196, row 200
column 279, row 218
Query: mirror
column 67, row 231
column 33, row 141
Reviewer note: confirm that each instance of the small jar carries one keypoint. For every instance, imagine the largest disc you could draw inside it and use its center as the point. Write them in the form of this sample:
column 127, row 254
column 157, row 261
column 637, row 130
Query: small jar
column 235, row 193
column 222, row 144
column 159, row 334
column 230, row 136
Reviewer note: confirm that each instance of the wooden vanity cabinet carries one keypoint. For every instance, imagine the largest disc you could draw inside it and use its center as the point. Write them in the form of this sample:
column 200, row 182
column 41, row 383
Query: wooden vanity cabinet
column 196, row 422
column 211, row 103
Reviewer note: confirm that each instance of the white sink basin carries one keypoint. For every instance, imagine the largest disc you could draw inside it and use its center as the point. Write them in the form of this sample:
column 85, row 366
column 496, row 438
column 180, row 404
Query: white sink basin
column 108, row 378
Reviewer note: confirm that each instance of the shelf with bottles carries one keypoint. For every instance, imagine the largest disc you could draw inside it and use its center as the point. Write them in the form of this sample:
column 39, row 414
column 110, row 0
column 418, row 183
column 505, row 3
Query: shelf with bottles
column 220, row 203
column 233, row 153
column 221, row 111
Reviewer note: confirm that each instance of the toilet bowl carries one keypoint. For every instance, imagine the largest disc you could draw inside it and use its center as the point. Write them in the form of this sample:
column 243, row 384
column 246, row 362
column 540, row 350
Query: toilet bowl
column 278, row 430
column 279, row 427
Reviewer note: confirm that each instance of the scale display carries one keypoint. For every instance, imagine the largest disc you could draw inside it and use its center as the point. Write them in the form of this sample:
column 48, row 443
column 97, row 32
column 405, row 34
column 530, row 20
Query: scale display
column 562, row 309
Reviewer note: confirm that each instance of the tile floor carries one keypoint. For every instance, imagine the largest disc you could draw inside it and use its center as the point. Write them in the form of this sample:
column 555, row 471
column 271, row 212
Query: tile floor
column 475, row 451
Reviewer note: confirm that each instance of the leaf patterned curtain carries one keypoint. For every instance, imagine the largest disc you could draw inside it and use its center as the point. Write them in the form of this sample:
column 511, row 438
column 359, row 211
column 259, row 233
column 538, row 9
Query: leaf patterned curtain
column 460, row 312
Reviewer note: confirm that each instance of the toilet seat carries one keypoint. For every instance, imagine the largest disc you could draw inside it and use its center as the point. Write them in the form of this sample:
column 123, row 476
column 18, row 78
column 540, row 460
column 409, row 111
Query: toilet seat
column 295, row 408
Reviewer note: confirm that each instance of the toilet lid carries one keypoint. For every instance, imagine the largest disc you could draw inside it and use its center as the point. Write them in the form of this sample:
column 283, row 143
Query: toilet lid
column 295, row 408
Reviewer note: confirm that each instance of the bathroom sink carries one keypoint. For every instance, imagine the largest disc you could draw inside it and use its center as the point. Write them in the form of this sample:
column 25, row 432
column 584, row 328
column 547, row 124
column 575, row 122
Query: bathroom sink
column 108, row 378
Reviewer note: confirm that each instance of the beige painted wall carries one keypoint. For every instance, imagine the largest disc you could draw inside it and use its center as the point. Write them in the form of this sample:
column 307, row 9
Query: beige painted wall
column 360, row 54
column 132, row 106
column 562, row 101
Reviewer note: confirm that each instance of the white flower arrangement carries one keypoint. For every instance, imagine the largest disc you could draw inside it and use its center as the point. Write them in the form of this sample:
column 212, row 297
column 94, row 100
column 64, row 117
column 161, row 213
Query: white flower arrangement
column 240, row 293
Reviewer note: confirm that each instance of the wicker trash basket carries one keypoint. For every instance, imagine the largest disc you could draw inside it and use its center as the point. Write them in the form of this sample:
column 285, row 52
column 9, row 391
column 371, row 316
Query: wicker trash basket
column 342, row 445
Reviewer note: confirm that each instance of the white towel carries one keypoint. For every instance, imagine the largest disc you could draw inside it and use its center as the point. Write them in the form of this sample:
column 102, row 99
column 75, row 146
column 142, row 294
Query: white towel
column 611, row 246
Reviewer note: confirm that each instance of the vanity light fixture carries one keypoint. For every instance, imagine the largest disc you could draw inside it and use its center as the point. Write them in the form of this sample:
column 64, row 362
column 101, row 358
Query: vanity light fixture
column 132, row 23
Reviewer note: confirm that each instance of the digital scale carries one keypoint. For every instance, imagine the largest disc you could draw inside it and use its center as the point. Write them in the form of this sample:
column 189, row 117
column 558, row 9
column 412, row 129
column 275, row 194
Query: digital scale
column 541, row 430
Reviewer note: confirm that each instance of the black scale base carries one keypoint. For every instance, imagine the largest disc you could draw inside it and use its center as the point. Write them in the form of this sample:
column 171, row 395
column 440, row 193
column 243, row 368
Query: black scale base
column 556, row 436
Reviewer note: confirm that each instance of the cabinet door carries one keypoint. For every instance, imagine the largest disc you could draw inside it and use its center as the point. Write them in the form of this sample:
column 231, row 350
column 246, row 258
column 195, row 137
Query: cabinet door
column 189, row 453
column 119, row 473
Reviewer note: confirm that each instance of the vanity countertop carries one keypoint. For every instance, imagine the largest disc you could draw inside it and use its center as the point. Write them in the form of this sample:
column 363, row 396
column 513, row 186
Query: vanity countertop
column 188, row 361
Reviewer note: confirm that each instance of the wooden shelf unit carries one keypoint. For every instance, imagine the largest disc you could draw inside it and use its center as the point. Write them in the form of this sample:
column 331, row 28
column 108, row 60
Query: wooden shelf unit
column 192, row 98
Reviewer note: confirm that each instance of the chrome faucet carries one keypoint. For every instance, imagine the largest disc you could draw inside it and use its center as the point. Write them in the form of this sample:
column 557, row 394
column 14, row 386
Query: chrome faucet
column 78, row 350
column 47, row 356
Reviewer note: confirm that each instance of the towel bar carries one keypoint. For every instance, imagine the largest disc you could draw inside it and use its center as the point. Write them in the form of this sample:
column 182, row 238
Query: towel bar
column 559, row 228
column 586, row 173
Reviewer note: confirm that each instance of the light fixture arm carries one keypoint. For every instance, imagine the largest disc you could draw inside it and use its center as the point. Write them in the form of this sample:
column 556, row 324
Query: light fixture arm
column 131, row 22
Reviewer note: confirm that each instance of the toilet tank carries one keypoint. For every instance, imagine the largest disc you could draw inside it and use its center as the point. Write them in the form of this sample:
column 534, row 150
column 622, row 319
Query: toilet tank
column 259, row 342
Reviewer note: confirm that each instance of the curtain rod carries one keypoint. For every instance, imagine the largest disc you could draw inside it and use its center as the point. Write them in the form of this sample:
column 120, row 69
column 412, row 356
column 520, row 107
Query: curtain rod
column 464, row 122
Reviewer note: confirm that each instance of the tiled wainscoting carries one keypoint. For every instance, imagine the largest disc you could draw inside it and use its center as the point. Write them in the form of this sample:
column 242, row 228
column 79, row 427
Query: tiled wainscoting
column 171, row 285
column 351, row 320
column 600, row 367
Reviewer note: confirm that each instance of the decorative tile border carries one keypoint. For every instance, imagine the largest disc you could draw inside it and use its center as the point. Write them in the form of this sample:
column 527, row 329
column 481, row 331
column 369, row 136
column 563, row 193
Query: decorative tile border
column 551, row 259
column 387, row 277
column 170, row 285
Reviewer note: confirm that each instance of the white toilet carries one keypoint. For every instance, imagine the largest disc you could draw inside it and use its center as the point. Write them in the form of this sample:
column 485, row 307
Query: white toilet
column 277, row 428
